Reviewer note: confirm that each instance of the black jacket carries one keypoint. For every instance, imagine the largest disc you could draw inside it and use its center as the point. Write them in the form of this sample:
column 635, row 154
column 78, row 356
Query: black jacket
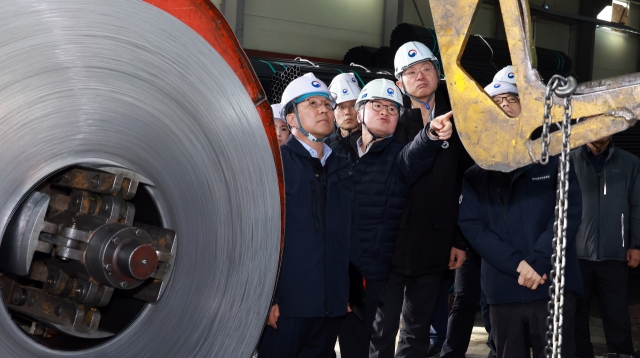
column 382, row 178
column 509, row 217
column 348, row 142
column 314, row 280
column 429, row 225
column 611, row 205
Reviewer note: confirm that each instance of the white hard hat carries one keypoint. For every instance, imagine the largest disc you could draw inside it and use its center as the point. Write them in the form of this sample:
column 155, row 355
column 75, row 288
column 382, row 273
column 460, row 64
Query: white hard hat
column 505, row 75
column 495, row 88
column 344, row 87
column 380, row 88
column 411, row 53
column 276, row 108
column 297, row 90
column 303, row 86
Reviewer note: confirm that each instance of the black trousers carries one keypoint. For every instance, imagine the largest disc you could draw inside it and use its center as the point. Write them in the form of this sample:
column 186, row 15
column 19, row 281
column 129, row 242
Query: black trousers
column 300, row 338
column 611, row 280
column 355, row 334
column 519, row 327
column 463, row 312
column 441, row 314
column 414, row 300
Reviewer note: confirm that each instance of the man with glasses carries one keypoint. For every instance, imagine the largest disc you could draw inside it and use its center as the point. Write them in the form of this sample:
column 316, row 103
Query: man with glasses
column 428, row 242
column 383, row 171
column 312, row 292
column 467, row 289
column 345, row 89
column 508, row 218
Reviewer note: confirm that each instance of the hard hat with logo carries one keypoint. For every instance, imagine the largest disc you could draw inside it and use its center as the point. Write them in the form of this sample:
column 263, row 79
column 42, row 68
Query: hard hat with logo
column 380, row 89
column 344, row 87
column 495, row 88
column 505, row 75
column 301, row 88
column 412, row 53
column 276, row 108
column 297, row 91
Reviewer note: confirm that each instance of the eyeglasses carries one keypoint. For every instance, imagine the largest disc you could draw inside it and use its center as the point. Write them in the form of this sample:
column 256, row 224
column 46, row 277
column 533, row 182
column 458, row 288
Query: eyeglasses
column 343, row 107
column 510, row 99
column 316, row 103
column 391, row 109
column 411, row 74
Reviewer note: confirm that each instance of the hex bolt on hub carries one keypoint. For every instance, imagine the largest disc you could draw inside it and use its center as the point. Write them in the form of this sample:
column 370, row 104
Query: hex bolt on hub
column 95, row 182
column 58, row 311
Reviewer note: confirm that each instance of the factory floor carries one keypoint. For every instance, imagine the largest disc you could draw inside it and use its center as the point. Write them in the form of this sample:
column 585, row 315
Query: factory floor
column 478, row 348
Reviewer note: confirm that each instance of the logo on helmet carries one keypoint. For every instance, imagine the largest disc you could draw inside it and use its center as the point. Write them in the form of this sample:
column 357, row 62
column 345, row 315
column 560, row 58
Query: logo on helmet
column 510, row 75
column 353, row 79
column 497, row 85
column 364, row 95
column 345, row 91
column 412, row 53
column 390, row 91
column 315, row 84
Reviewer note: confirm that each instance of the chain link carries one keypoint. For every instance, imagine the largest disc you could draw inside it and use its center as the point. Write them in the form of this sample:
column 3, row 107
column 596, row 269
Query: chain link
column 546, row 118
column 556, row 290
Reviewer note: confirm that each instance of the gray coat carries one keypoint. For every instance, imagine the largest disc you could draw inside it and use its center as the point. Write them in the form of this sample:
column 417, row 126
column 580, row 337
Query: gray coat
column 610, row 205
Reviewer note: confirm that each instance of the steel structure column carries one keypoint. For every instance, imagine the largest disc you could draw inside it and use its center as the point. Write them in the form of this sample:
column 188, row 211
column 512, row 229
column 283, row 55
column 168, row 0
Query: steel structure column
column 233, row 11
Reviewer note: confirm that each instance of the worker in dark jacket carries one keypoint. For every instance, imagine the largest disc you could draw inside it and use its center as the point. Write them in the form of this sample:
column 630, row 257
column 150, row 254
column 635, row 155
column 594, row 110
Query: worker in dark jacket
column 345, row 89
column 428, row 242
column 468, row 294
column 508, row 218
column 313, row 286
column 383, row 173
column 608, row 240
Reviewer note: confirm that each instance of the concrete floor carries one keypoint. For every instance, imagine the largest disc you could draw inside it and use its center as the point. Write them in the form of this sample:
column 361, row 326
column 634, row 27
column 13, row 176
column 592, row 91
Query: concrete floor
column 478, row 348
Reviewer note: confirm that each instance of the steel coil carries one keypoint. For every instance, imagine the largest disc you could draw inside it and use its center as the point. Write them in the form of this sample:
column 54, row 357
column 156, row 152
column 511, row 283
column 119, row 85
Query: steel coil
column 120, row 82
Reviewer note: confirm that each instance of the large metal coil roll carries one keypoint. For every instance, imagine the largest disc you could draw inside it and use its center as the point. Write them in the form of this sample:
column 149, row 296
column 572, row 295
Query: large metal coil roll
column 121, row 91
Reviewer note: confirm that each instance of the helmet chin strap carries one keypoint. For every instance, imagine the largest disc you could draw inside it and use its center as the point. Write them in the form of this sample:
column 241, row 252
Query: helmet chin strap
column 309, row 136
column 426, row 104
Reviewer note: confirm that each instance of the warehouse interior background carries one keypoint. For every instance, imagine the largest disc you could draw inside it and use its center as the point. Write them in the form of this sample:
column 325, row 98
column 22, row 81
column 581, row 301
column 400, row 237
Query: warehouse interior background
column 607, row 46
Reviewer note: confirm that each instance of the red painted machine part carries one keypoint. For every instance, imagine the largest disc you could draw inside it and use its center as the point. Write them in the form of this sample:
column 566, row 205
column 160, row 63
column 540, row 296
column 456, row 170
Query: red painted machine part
column 205, row 19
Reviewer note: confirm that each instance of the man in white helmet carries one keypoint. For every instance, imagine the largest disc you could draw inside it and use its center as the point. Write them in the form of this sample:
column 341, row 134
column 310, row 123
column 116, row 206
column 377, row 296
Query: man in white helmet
column 506, row 74
column 425, row 250
column 383, row 171
column 467, row 283
column 281, row 126
column 508, row 219
column 346, row 90
column 312, row 292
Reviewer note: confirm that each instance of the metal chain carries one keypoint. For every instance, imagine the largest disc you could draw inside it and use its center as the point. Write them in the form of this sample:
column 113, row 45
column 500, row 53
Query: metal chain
column 556, row 290
column 546, row 118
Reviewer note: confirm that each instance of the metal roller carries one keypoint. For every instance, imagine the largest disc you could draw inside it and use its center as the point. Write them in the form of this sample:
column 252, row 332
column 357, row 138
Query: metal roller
column 141, row 196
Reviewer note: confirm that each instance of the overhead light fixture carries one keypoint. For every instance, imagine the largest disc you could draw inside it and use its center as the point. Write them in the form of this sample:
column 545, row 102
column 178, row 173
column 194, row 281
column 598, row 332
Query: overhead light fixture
column 605, row 14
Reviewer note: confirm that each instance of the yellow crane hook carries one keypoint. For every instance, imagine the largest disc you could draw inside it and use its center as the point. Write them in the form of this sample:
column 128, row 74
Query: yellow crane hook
column 499, row 142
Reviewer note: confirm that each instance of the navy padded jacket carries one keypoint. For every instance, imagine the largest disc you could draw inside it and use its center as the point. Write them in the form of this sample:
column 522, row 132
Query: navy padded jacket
column 508, row 217
column 382, row 178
